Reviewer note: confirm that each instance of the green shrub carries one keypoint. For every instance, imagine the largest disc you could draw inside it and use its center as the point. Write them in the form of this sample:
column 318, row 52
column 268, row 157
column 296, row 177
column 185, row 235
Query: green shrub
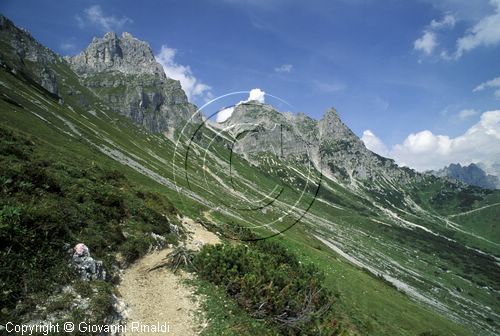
column 135, row 247
column 270, row 283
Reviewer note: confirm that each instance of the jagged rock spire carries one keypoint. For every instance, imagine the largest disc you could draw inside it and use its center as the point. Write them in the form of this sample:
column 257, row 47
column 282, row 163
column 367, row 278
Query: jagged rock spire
column 125, row 54
column 123, row 71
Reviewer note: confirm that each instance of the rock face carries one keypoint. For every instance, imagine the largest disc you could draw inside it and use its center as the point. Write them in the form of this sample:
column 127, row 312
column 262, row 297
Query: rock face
column 27, row 55
column 124, row 54
column 471, row 174
column 123, row 72
column 328, row 143
column 48, row 81
column 85, row 265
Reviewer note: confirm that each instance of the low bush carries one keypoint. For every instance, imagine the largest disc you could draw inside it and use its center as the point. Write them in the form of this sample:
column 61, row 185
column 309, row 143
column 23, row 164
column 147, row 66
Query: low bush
column 135, row 247
column 270, row 283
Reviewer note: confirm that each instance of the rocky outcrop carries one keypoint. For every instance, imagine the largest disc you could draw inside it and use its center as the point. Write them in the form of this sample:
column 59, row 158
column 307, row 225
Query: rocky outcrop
column 471, row 174
column 87, row 267
column 124, row 54
column 327, row 142
column 260, row 128
column 123, row 72
column 342, row 151
column 48, row 80
column 26, row 55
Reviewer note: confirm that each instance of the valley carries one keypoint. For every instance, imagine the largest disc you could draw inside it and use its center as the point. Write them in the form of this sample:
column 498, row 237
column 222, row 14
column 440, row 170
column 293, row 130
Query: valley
column 403, row 252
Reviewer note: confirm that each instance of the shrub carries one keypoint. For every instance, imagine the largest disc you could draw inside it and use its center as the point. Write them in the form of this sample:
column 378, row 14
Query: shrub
column 270, row 283
column 135, row 247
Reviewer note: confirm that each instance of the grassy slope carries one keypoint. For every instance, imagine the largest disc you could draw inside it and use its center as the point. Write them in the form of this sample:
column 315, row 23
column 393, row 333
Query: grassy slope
column 373, row 306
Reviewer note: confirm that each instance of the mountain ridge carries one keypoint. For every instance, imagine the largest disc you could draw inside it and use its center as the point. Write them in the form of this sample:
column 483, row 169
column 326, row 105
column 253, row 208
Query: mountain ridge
column 329, row 143
column 123, row 71
column 27, row 49
column 471, row 175
column 123, row 53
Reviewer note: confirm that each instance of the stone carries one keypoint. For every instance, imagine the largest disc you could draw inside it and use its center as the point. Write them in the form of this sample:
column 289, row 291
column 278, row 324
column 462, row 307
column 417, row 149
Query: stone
column 87, row 267
column 48, row 81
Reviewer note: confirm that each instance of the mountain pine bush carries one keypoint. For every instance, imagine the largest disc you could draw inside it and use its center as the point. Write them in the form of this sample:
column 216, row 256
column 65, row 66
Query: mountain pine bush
column 270, row 283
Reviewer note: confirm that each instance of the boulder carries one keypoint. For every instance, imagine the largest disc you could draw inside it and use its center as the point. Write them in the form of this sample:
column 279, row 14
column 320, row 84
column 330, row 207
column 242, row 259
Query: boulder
column 85, row 265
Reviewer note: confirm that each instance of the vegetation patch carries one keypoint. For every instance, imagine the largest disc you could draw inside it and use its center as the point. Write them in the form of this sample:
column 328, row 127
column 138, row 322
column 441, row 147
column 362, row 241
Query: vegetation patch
column 271, row 284
column 48, row 205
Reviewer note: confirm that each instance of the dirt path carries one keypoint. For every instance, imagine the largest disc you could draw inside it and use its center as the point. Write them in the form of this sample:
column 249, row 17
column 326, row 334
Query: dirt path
column 474, row 210
column 159, row 296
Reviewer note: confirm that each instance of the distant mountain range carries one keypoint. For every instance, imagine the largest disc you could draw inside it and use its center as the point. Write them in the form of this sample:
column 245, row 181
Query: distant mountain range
column 471, row 175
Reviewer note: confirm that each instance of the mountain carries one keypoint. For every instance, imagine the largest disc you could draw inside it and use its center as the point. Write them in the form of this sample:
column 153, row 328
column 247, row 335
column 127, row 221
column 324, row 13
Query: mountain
column 123, row 72
column 471, row 174
column 330, row 145
column 83, row 160
column 24, row 54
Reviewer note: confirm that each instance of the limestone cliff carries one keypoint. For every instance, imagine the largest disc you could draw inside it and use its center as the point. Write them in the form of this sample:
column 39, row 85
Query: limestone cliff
column 328, row 143
column 123, row 72
column 23, row 54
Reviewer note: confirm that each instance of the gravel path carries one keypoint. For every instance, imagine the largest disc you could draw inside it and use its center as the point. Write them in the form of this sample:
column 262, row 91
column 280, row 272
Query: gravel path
column 159, row 296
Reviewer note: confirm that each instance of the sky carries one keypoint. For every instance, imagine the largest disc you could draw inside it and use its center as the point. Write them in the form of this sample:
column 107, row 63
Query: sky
column 418, row 81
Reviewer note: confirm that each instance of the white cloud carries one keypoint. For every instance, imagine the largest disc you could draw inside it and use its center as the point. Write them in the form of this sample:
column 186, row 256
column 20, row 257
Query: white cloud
column 254, row 95
column 467, row 113
column 224, row 114
column 373, row 143
column 486, row 32
column 425, row 150
column 495, row 82
column 284, row 68
column 426, row 43
column 448, row 21
column 462, row 9
column 95, row 16
column 190, row 84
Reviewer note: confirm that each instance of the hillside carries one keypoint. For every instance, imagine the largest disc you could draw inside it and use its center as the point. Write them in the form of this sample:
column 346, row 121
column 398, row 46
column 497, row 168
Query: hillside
column 107, row 153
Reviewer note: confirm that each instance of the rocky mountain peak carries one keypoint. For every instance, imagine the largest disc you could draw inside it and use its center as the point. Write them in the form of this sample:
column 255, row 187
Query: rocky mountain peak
column 24, row 45
column 122, row 71
column 471, row 174
column 19, row 47
column 332, row 127
column 109, row 36
column 125, row 54
column 333, row 145
column 253, row 111
column 331, row 113
column 126, row 35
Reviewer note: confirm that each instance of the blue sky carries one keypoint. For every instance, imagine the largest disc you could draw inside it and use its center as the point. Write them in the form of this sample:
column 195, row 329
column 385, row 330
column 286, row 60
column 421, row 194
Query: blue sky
column 392, row 67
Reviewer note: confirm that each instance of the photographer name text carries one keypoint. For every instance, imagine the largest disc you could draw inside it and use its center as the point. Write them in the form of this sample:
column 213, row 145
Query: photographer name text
column 84, row 327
